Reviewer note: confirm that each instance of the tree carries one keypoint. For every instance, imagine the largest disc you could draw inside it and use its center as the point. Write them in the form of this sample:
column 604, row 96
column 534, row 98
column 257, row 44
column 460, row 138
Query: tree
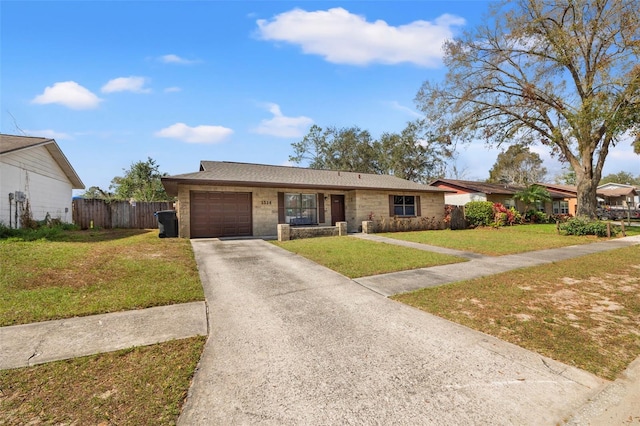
column 621, row 177
column 568, row 177
column 564, row 73
column 349, row 149
column 95, row 192
column 532, row 195
column 141, row 182
column 412, row 154
column 517, row 165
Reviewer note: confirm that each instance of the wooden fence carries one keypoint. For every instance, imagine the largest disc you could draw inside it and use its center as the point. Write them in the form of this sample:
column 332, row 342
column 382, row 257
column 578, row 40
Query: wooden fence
column 117, row 214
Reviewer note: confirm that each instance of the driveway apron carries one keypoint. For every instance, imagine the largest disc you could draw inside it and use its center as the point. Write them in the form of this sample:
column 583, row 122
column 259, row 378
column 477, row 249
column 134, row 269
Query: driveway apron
column 292, row 342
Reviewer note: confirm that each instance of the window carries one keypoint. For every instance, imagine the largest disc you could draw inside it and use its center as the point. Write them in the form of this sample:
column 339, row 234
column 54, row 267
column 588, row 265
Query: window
column 300, row 209
column 404, row 205
column 509, row 203
column 561, row 207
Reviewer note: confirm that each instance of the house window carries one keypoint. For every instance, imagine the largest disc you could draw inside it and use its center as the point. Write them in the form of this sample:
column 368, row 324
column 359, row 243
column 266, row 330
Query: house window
column 561, row 207
column 509, row 203
column 404, row 205
column 300, row 209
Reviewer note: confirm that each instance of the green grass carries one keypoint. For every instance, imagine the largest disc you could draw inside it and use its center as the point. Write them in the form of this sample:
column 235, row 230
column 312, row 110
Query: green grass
column 498, row 241
column 583, row 312
column 354, row 257
column 138, row 386
column 76, row 273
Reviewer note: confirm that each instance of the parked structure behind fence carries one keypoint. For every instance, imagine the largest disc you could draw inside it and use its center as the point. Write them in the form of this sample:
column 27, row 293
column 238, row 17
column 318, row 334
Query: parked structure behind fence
column 117, row 214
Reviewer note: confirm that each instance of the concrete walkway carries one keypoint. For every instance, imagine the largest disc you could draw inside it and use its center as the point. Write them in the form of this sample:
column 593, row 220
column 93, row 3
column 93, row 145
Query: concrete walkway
column 478, row 266
column 37, row 343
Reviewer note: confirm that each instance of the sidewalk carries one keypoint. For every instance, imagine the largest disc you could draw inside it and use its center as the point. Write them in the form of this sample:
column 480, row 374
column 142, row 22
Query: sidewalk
column 37, row 343
column 479, row 266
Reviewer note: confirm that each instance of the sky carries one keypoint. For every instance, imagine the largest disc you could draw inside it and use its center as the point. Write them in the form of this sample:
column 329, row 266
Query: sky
column 117, row 82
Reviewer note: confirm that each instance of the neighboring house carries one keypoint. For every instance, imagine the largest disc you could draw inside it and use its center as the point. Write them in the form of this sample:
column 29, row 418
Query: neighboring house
column 226, row 199
column 618, row 195
column 35, row 171
column 463, row 191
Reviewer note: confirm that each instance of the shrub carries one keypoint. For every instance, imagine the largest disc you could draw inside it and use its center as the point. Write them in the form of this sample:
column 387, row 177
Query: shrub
column 504, row 216
column 584, row 226
column 479, row 213
column 535, row 216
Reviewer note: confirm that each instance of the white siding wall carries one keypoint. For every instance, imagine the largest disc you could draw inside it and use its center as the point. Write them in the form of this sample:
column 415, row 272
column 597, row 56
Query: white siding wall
column 462, row 199
column 34, row 172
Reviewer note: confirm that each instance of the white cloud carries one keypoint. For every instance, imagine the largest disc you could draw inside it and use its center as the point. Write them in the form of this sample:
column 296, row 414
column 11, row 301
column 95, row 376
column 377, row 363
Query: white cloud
column 70, row 94
column 343, row 37
column 396, row 105
column 48, row 133
column 197, row 134
column 281, row 126
column 172, row 89
column 175, row 59
column 126, row 84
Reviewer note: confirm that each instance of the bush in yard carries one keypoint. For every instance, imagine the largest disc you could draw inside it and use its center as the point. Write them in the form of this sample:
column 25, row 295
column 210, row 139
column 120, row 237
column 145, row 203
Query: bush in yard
column 479, row 213
column 504, row 216
column 584, row 226
column 535, row 216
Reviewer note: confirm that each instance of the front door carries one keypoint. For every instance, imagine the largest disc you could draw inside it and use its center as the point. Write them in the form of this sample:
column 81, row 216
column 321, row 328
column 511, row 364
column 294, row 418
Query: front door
column 337, row 209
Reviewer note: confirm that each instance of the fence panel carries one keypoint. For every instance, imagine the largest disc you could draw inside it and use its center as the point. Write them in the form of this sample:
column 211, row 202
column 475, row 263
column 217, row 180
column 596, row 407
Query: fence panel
column 117, row 214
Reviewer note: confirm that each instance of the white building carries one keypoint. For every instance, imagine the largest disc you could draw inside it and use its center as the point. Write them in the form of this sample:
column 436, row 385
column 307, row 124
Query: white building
column 35, row 171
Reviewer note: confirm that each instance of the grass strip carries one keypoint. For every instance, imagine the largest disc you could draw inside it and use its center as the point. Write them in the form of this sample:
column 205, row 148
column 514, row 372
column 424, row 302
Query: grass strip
column 583, row 312
column 138, row 386
column 80, row 273
column 355, row 258
column 499, row 241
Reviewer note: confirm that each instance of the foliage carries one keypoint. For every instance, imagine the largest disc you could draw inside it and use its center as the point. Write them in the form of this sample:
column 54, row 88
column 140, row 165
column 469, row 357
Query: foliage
column 518, row 165
column 479, row 213
column 412, row 154
column 585, row 226
column 561, row 73
column 505, row 216
column 621, row 177
column 567, row 177
column 396, row 224
column 536, row 216
column 141, row 182
column 533, row 195
column 97, row 193
column 42, row 231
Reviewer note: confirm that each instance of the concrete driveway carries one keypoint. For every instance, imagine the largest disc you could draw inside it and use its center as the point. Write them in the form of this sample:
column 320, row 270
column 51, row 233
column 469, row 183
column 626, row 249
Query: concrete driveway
column 292, row 342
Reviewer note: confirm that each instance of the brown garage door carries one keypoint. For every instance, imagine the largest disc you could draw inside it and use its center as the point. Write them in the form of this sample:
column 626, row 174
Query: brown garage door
column 220, row 214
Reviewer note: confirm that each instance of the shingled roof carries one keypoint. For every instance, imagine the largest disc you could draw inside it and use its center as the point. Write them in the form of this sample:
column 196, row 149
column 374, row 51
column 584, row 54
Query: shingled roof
column 262, row 175
column 555, row 191
column 12, row 143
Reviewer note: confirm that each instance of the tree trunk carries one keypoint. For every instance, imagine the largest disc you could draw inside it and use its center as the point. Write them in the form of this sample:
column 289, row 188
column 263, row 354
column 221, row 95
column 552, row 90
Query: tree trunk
column 587, row 201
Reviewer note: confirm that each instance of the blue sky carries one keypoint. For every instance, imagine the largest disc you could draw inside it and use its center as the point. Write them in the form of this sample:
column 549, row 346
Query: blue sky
column 115, row 82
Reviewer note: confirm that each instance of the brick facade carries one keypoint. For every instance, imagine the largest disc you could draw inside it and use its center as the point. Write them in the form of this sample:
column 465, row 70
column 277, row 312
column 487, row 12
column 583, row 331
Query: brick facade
column 360, row 205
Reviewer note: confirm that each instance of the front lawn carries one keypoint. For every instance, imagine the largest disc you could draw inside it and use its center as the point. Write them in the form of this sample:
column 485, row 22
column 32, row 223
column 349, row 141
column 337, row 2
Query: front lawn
column 138, row 386
column 499, row 241
column 76, row 273
column 583, row 312
column 355, row 258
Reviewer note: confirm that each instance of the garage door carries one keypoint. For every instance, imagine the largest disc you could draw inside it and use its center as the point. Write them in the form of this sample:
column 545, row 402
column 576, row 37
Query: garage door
column 220, row 214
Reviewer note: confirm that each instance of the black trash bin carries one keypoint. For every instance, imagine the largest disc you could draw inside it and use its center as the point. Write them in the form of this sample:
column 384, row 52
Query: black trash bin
column 167, row 223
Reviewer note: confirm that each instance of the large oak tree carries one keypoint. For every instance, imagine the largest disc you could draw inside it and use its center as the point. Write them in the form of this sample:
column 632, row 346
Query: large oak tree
column 564, row 73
